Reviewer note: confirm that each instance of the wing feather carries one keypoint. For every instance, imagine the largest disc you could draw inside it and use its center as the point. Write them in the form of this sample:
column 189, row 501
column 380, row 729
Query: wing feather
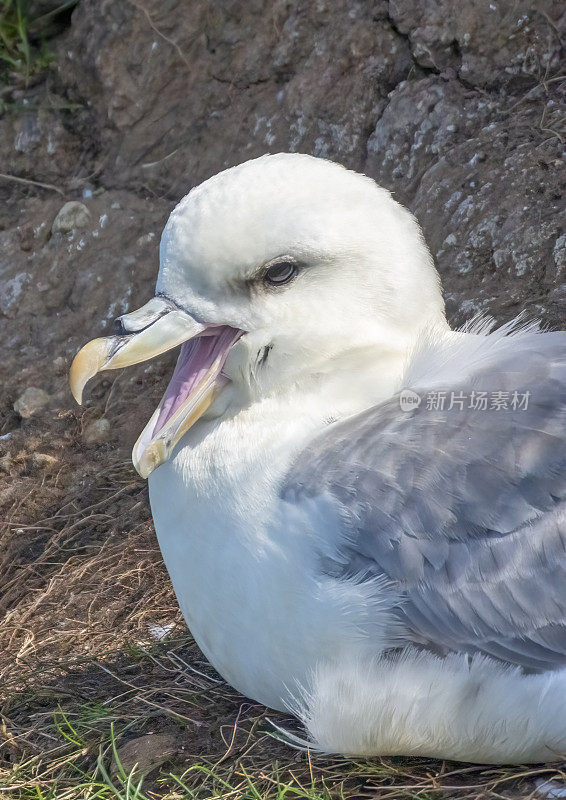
column 462, row 511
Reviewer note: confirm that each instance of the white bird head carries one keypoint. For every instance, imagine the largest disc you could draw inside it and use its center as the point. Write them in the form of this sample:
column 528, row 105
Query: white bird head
column 272, row 274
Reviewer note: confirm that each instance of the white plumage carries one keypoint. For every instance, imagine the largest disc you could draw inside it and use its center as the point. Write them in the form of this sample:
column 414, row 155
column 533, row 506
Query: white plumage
column 397, row 578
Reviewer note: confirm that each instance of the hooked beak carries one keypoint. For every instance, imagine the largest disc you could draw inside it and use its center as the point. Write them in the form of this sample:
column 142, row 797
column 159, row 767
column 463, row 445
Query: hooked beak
column 197, row 380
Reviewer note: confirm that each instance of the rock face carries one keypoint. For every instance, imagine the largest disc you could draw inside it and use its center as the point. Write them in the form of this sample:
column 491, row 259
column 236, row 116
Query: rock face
column 456, row 108
column 488, row 44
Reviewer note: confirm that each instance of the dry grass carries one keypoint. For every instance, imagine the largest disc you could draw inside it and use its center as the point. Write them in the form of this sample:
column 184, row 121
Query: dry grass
column 93, row 705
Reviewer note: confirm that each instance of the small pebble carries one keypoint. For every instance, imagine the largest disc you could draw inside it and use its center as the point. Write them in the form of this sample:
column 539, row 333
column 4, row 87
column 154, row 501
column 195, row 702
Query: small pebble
column 71, row 216
column 97, row 431
column 60, row 364
column 43, row 460
column 30, row 402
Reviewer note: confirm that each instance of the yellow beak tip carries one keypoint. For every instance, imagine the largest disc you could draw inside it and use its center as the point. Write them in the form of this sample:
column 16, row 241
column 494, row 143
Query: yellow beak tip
column 153, row 456
column 77, row 395
column 89, row 360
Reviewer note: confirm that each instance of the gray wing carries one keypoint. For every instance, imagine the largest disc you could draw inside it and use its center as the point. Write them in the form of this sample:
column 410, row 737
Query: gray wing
column 462, row 510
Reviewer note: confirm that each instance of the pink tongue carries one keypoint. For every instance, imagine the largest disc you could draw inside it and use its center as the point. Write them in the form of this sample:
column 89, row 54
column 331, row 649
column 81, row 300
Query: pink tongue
column 195, row 359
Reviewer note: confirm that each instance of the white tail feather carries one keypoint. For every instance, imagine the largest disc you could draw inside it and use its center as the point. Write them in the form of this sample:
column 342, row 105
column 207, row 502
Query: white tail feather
column 454, row 707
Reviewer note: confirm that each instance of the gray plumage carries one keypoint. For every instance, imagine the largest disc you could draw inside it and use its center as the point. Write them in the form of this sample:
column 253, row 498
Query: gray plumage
column 462, row 511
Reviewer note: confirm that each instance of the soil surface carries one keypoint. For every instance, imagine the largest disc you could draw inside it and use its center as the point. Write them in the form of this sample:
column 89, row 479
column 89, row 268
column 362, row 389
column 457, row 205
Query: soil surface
column 457, row 108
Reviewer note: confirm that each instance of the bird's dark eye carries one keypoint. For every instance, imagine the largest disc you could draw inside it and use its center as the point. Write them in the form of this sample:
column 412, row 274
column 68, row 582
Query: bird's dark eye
column 281, row 273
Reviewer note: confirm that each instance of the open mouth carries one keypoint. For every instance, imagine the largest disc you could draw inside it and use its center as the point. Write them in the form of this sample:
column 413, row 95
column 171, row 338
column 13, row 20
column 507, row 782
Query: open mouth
column 196, row 382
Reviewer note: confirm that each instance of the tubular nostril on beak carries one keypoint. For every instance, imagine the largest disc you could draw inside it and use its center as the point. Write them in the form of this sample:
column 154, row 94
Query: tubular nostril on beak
column 143, row 317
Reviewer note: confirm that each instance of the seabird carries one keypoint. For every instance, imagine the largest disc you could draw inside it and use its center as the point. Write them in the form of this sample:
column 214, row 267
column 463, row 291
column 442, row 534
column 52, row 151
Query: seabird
column 361, row 510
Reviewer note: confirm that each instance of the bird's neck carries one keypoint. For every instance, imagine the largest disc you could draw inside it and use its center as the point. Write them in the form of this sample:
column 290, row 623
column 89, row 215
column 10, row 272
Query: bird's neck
column 243, row 428
column 357, row 380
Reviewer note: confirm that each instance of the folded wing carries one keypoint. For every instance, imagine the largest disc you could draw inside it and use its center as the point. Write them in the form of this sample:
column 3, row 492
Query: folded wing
column 461, row 509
